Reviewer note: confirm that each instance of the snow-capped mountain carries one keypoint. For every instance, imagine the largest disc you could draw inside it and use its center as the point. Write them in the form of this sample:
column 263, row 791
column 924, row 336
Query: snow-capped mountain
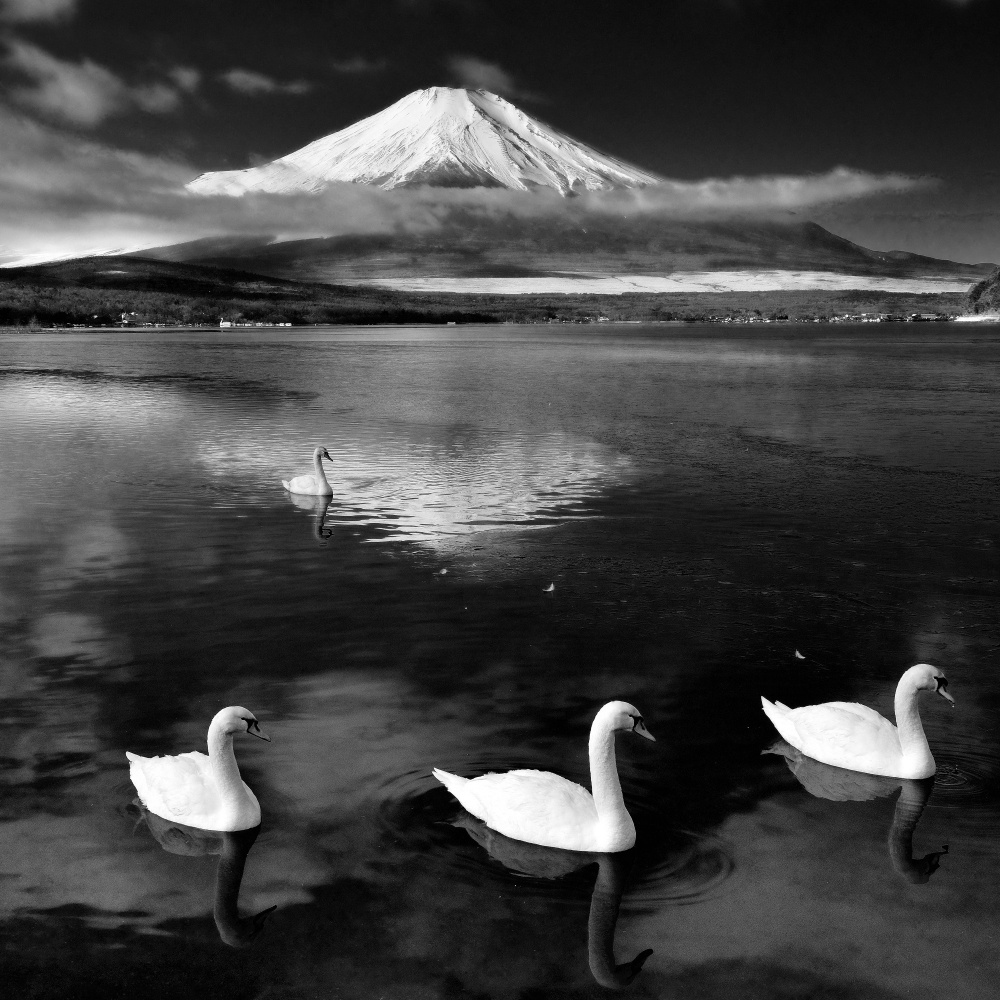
column 441, row 136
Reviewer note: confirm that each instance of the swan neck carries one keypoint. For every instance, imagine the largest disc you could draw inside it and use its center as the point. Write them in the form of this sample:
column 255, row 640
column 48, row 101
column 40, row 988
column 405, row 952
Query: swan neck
column 229, row 874
column 227, row 772
column 912, row 741
column 318, row 467
column 228, row 878
column 909, row 807
column 605, row 786
column 604, row 906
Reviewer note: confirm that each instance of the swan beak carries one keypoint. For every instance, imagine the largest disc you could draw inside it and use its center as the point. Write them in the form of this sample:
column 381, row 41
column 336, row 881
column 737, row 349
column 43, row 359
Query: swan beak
column 947, row 697
column 260, row 734
column 640, row 730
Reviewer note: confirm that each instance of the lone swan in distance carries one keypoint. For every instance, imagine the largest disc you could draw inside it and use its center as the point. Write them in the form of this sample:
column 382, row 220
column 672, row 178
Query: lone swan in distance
column 315, row 485
column 206, row 792
column 849, row 735
column 540, row 807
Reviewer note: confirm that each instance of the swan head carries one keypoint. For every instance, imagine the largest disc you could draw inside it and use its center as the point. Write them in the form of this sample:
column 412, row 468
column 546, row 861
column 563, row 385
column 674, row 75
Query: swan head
column 238, row 932
column 925, row 677
column 322, row 453
column 617, row 715
column 622, row 975
column 236, row 719
column 920, row 871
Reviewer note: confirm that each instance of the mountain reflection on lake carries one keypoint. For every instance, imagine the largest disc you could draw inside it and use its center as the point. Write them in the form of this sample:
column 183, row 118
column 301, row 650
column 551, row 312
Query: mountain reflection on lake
column 563, row 516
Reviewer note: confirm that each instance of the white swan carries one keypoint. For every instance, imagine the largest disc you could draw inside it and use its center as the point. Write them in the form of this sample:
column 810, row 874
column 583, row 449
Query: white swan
column 316, row 485
column 542, row 808
column 196, row 790
column 849, row 735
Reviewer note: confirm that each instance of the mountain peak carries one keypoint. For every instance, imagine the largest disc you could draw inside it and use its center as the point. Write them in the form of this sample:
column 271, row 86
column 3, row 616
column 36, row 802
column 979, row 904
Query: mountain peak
column 440, row 136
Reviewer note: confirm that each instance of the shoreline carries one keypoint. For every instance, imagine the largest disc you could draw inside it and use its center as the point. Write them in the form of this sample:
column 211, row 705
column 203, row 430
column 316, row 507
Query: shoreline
column 148, row 294
column 707, row 321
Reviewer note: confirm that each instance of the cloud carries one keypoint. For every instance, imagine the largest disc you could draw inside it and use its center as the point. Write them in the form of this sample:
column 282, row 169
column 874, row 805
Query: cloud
column 247, row 81
column 82, row 93
column 65, row 195
column 769, row 193
column 36, row 10
column 477, row 74
column 156, row 98
column 356, row 65
column 185, row 78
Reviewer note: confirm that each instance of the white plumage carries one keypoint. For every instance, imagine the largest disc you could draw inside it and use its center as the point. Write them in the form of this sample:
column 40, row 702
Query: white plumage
column 315, row 485
column 846, row 734
column 199, row 790
column 543, row 808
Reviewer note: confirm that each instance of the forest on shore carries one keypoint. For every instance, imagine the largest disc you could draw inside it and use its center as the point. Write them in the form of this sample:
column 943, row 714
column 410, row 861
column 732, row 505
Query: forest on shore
column 135, row 291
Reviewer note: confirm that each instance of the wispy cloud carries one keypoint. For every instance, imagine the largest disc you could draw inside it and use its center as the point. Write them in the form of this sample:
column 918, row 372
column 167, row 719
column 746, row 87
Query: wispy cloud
column 186, row 78
column 357, row 65
column 64, row 194
column 248, row 81
column 83, row 93
column 36, row 10
column 771, row 193
column 478, row 74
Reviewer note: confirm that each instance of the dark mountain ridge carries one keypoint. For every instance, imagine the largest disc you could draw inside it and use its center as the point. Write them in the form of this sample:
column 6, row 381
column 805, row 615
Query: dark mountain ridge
column 470, row 245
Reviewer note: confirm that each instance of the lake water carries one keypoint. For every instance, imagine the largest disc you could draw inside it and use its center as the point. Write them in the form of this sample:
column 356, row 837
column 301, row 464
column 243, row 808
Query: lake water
column 527, row 522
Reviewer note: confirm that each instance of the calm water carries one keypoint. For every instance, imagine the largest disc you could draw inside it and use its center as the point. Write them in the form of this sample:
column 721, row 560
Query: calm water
column 705, row 506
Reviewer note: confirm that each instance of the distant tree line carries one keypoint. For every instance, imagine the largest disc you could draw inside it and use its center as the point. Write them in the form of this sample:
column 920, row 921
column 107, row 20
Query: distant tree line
column 37, row 302
column 984, row 296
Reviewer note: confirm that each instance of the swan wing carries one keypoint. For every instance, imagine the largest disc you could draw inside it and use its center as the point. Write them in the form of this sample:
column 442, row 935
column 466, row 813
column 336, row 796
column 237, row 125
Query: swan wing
column 538, row 807
column 780, row 716
column 301, row 484
column 846, row 734
column 180, row 787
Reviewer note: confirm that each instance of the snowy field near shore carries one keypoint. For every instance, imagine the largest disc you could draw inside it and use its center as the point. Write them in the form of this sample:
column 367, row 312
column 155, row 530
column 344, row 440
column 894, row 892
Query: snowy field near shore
column 680, row 281
column 980, row 318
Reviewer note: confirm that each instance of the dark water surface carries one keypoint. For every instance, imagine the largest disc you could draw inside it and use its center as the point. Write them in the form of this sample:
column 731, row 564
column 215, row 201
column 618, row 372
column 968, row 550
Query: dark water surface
column 705, row 505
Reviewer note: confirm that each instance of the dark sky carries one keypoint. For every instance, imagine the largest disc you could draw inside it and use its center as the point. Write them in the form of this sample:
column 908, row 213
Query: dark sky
column 690, row 89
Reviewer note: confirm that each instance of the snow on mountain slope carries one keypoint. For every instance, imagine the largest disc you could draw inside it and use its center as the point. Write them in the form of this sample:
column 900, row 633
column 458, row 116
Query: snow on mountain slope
column 441, row 136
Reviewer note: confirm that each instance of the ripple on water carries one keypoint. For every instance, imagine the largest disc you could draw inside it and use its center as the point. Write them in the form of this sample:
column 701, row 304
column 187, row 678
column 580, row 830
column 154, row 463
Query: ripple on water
column 968, row 774
column 425, row 488
column 426, row 825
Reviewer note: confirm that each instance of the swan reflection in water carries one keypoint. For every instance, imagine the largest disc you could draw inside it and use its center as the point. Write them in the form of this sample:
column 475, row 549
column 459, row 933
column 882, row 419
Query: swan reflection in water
column 318, row 505
column 232, row 848
column 841, row 785
column 523, row 858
